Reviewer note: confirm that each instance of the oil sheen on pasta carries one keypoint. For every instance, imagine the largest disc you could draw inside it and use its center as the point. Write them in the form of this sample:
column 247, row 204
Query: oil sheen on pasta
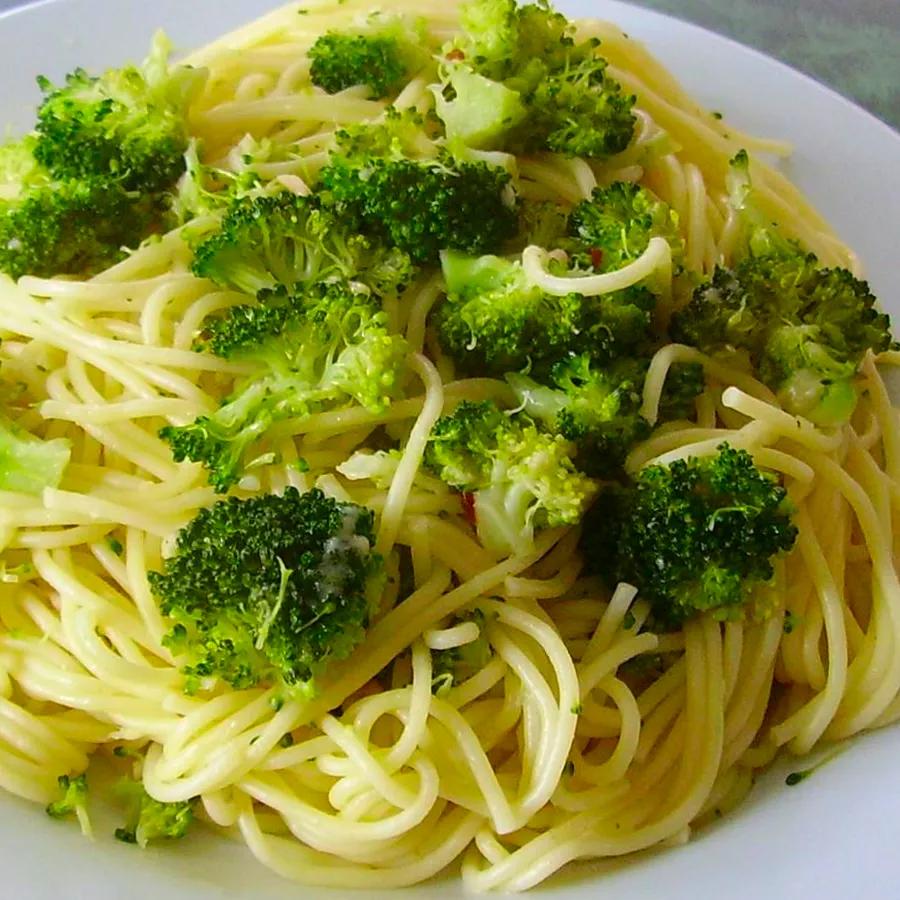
column 545, row 755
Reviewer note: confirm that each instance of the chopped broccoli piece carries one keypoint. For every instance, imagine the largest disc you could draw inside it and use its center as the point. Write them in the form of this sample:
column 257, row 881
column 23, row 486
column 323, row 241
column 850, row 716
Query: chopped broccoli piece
column 93, row 177
column 695, row 536
column 127, row 125
column 19, row 170
column 208, row 190
column 421, row 204
column 325, row 347
column 595, row 408
column 805, row 327
column 283, row 239
column 614, row 227
column 270, row 589
column 521, row 479
column 152, row 820
column 79, row 226
column 685, row 382
column 72, row 802
column 221, row 441
column 495, row 321
column 519, row 80
column 456, row 665
column 481, row 110
column 598, row 408
column 381, row 55
column 380, row 468
column 543, row 224
column 340, row 61
column 28, row 464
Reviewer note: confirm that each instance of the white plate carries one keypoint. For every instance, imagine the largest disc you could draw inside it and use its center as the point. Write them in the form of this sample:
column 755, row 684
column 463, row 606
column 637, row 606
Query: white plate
column 835, row 835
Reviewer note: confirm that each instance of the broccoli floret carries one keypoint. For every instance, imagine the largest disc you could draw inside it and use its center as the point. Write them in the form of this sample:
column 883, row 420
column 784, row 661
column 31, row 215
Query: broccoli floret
column 419, row 203
column 29, row 464
column 495, row 321
column 595, row 408
column 325, row 347
column 521, row 478
column 615, row 226
column 127, row 125
column 206, row 190
column 221, row 441
column 72, row 801
column 283, row 239
column 380, row 468
column 542, row 224
column 476, row 110
column 519, row 80
column 152, row 820
column 598, row 408
column 92, row 179
column 50, row 227
column 457, row 664
column 270, row 589
column 805, row 328
column 340, row 61
column 380, row 55
column 695, row 536
column 684, row 383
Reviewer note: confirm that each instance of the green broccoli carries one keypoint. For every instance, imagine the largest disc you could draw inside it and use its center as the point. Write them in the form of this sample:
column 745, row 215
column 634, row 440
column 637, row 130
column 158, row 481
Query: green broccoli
column 50, row 226
column 93, row 177
column 381, row 55
column 152, row 820
column 805, row 327
column 270, row 589
column 325, row 347
column 542, row 223
column 126, row 126
column 615, row 226
column 684, row 384
column 477, row 110
column 514, row 477
column 519, row 80
column 422, row 199
column 283, row 239
column 694, row 536
column 495, row 321
column 598, row 408
column 206, row 190
column 72, row 802
column 29, row 464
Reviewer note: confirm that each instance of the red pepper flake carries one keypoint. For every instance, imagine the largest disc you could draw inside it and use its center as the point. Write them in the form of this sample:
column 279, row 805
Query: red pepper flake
column 468, row 507
column 456, row 55
column 596, row 257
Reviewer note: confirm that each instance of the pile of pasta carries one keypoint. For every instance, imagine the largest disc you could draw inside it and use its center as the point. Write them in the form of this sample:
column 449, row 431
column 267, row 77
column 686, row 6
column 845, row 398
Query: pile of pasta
column 547, row 754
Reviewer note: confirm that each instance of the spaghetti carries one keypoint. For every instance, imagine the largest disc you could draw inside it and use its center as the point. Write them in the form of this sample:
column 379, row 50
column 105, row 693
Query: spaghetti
column 549, row 753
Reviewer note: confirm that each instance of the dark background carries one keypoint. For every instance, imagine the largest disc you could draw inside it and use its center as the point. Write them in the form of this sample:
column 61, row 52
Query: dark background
column 851, row 45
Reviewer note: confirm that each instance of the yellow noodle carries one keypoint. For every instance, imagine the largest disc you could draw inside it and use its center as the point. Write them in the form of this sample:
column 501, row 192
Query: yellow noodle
column 581, row 733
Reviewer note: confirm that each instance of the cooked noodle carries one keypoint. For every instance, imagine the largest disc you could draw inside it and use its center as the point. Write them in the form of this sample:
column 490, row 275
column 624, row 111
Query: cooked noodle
column 547, row 754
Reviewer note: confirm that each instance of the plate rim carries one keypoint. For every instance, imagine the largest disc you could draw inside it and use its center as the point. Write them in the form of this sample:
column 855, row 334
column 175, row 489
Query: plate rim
column 584, row 886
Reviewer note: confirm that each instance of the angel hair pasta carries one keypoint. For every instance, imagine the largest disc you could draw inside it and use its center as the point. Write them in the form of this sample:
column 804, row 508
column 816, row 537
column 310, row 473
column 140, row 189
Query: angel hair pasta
column 479, row 457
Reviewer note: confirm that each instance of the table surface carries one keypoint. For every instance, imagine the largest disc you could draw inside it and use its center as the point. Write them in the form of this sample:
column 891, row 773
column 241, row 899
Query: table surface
column 851, row 45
